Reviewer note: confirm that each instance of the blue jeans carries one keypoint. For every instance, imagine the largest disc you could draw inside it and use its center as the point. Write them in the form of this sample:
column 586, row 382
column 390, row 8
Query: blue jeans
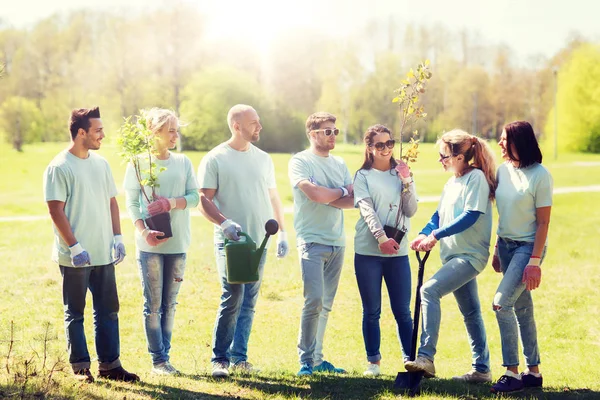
column 161, row 275
column 235, row 314
column 321, row 267
column 457, row 276
column 370, row 272
column 102, row 283
column 514, row 306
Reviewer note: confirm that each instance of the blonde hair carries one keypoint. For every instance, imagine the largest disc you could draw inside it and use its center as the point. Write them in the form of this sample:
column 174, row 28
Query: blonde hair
column 473, row 149
column 156, row 118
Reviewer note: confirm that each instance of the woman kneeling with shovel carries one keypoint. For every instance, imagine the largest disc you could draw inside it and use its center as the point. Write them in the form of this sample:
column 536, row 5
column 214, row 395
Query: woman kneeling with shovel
column 463, row 224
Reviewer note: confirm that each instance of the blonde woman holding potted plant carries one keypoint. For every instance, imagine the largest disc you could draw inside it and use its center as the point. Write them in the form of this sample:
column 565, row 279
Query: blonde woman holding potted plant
column 161, row 259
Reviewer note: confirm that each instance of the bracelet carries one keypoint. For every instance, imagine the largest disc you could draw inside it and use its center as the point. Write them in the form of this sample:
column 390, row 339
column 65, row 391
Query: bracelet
column 344, row 191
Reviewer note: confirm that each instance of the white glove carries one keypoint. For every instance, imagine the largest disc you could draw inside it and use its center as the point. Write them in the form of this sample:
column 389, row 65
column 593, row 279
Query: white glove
column 230, row 229
column 119, row 248
column 79, row 257
column 282, row 245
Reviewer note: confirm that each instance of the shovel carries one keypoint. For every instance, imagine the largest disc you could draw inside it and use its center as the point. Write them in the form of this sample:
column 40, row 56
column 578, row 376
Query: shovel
column 410, row 380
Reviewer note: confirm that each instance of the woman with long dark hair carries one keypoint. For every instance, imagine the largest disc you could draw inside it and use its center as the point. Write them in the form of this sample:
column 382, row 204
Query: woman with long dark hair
column 384, row 193
column 524, row 201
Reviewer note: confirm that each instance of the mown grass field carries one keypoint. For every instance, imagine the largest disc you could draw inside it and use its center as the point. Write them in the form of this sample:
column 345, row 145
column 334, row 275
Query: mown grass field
column 567, row 303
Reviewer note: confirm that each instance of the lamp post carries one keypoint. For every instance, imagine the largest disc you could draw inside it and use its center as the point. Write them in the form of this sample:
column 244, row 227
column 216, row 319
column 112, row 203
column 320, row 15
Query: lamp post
column 555, row 72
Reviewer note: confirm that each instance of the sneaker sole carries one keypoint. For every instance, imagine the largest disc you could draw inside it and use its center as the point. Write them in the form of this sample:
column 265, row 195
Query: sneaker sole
column 220, row 375
column 414, row 368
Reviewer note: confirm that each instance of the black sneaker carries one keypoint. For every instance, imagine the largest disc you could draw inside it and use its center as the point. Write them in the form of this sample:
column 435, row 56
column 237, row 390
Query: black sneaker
column 507, row 384
column 531, row 381
column 84, row 375
column 119, row 374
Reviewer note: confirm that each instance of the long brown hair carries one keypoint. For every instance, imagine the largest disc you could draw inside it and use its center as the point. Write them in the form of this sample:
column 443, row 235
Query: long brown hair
column 368, row 139
column 473, row 149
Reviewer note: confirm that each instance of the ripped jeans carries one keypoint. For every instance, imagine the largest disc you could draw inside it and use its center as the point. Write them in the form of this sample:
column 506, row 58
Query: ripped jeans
column 161, row 275
column 513, row 304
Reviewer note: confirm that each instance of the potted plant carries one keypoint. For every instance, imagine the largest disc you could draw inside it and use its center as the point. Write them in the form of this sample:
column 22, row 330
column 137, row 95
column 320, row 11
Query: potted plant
column 136, row 140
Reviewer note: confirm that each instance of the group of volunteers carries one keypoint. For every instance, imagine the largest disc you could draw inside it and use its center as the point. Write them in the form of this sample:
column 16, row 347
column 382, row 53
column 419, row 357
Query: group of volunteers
column 235, row 189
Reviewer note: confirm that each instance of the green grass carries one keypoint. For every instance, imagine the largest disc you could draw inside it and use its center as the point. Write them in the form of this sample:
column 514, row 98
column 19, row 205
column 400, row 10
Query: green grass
column 567, row 304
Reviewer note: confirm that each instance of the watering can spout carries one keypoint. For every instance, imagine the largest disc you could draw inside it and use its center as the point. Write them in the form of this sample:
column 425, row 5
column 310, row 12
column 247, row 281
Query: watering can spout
column 271, row 227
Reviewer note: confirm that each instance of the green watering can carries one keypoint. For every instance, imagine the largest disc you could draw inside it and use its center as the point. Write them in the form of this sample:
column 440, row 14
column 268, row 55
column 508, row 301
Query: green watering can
column 243, row 258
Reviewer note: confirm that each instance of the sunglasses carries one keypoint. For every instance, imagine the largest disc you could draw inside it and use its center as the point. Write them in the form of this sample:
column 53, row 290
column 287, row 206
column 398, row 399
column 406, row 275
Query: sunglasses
column 328, row 132
column 382, row 145
column 443, row 157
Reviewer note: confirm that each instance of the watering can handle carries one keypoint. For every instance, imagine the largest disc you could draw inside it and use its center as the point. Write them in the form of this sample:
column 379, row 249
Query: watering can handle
column 240, row 234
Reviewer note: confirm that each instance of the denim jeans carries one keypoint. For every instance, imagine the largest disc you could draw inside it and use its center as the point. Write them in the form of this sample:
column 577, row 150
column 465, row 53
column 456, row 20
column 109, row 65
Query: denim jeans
column 102, row 283
column 370, row 272
column 515, row 311
column 235, row 314
column 161, row 276
column 457, row 276
column 321, row 269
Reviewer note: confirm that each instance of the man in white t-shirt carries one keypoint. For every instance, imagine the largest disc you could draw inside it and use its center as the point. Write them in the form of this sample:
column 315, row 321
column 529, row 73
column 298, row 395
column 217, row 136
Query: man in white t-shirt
column 80, row 192
column 238, row 193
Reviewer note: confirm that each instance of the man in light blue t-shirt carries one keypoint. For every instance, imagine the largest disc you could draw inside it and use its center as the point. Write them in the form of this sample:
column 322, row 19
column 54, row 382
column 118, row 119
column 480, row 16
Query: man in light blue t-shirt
column 80, row 192
column 238, row 193
column 322, row 187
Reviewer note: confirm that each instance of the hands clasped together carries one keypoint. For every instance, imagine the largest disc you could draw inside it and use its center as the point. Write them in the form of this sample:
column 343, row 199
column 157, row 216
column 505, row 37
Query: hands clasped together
column 423, row 242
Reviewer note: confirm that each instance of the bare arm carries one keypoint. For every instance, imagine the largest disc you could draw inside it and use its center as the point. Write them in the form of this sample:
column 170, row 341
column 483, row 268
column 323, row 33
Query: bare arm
column 59, row 218
column 542, row 218
column 115, row 216
column 277, row 208
column 343, row 202
column 319, row 194
column 208, row 208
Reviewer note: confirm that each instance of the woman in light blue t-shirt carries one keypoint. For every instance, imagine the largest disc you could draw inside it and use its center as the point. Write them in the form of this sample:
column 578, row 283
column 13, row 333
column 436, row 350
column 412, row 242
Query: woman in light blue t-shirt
column 162, row 260
column 524, row 200
column 463, row 225
column 384, row 193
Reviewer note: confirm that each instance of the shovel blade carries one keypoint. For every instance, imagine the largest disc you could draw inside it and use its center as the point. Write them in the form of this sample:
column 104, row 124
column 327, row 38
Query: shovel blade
column 409, row 381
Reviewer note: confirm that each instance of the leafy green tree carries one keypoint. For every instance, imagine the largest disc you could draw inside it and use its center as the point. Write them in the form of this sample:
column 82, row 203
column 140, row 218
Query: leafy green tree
column 21, row 121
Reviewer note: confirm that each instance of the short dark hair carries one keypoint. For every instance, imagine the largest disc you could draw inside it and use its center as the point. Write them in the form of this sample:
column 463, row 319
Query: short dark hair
column 80, row 119
column 520, row 133
column 315, row 120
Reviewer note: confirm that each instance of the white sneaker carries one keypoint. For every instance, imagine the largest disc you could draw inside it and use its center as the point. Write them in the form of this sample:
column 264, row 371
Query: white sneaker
column 474, row 376
column 244, row 367
column 372, row 370
column 165, row 368
column 220, row 369
column 421, row 364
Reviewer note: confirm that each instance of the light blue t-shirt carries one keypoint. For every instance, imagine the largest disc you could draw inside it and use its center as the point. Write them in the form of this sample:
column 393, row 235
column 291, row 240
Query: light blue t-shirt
column 242, row 180
column 177, row 180
column 468, row 192
column 520, row 191
column 86, row 187
column 315, row 222
column 385, row 190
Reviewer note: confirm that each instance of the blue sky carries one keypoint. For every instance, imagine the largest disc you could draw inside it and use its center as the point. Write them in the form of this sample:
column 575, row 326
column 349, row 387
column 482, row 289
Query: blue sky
column 529, row 27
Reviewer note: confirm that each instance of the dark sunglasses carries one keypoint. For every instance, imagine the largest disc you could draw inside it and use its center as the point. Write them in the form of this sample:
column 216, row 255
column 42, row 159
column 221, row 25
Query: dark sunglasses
column 443, row 157
column 328, row 132
column 382, row 145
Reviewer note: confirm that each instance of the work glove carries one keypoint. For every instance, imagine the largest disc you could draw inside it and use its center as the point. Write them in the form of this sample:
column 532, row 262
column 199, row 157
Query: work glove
column 119, row 249
column 532, row 275
column 79, row 257
column 283, row 247
column 161, row 205
column 403, row 172
column 387, row 245
column 231, row 229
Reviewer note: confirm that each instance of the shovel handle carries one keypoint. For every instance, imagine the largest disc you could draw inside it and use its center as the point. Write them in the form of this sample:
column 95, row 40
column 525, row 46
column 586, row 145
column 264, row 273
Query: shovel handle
column 422, row 261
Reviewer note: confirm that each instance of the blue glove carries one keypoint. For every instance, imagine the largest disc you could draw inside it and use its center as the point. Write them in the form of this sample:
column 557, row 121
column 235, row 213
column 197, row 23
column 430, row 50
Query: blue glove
column 282, row 245
column 79, row 257
column 119, row 249
column 230, row 229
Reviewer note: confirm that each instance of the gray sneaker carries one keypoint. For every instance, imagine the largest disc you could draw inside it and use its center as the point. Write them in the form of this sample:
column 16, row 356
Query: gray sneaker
column 244, row 367
column 165, row 368
column 421, row 364
column 220, row 369
column 474, row 376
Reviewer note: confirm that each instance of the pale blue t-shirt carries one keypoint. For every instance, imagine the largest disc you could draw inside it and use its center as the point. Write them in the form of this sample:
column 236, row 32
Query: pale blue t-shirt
column 242, row 180
column 177, row 180
column 316, row 222
column 520, row 191
column 86, row 187
column 468, row 192
column 385, row 189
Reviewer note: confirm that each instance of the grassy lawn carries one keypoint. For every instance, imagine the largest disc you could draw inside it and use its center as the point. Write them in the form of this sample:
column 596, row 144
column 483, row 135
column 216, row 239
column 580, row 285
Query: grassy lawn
column 567, row 304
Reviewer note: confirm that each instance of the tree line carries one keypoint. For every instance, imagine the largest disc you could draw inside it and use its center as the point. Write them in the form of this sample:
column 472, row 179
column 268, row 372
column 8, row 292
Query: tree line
column 162, row 58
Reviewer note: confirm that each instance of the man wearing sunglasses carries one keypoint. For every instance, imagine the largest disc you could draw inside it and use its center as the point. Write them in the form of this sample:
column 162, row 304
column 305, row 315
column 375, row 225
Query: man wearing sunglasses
column 322, row 187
